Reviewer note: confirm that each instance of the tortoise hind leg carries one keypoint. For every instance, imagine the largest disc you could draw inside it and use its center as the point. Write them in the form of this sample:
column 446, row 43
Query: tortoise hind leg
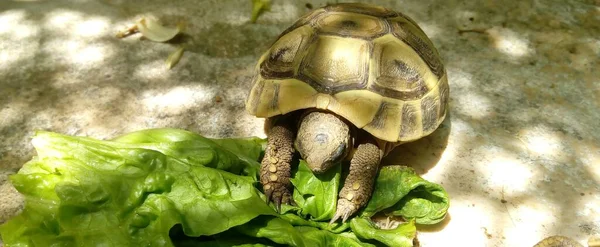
column 359, row 183
column 275, row 169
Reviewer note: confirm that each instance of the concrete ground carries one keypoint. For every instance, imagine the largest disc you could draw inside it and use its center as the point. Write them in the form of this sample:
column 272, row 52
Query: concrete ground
column 519, row 154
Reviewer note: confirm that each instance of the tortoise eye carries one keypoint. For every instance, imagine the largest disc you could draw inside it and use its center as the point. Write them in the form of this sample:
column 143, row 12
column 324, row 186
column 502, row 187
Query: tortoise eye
column 321, row 138
column 338, row 154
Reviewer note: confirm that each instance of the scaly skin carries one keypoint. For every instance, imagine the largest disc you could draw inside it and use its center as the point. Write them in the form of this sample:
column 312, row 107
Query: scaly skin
column 323, row 140
column 360, row 181
column 275, row 169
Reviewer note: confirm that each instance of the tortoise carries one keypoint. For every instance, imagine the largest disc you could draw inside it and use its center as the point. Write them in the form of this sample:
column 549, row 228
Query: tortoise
column 345, row 82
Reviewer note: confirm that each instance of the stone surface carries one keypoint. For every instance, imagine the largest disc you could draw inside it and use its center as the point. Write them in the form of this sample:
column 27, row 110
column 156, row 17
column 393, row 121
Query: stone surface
column 519, row 153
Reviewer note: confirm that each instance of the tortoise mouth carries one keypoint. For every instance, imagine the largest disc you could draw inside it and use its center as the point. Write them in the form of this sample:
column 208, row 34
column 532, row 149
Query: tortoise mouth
column 320, row 169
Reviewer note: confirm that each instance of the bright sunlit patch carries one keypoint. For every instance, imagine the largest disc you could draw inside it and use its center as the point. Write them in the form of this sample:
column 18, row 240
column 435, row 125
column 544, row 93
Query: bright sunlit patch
column 16, row 53
column 509, row 42
column 23, row 30
column 9, row 18
column 506, row 172
column 458, row 78
column 541, row 141
column 78, row 53
column 151, row 71
column 89, row 54
column 594, row 171
column 466, row 220
column 528, row 219
column 14, row 25
column 62, row 18
column 473, row 104
column 280, row 10
column 92, row 27
column 589, row 209
column 431, row 30
column 177, row 99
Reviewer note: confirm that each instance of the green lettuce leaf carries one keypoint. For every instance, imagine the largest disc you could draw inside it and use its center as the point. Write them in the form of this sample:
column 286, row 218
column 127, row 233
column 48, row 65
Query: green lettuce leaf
column 403, row 235
column 195, row 149
column 273, row 228
column 300, row 221
column 82, row 192
column 400, row 190
column 315, row 237
column 249, row 147
column 168, row 187
column 316, row 195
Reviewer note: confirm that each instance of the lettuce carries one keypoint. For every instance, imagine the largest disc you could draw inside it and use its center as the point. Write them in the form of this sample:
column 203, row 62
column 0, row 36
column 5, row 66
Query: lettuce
column 401, row 192
column 169, row 187
column 316, row 194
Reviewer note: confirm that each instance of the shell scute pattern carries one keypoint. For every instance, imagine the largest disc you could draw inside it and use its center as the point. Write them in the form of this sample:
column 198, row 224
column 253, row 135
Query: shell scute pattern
column 345, row 68
column 286, row 53
column 399, row 71
column 351, row 25
column 372, row 66
column 418, row 41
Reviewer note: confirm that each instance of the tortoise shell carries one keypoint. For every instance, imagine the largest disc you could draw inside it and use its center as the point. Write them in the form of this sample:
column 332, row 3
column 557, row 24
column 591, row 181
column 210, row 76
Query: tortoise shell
column 372, row 66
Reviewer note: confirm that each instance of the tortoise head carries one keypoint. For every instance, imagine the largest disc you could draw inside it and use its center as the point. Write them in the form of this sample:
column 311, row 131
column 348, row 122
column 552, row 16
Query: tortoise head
column 323, row 140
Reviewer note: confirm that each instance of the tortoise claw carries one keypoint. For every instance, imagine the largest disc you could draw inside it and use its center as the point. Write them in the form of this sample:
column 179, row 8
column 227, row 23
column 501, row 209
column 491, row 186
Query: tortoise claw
column 268, row 195
column 278, row 194
column 344, row 210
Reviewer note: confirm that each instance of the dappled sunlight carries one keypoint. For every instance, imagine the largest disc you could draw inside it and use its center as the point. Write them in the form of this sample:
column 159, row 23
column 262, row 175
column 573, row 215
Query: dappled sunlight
column 510, row 42
column 505, row 172
column 18, row 38
column 78, row 53
column 9, row 17
column 466, row 221
column 241, row 126
column 90, row 54
column 280, row 12
column 77, row 25
column 590, row 209
column 459, row 79
column 541, row 140
column 590, row 158
column 518, row 154
column 526, row 218
column 594, row 170
column 177, row 99
column 11, row 56
column 473, row 104
column 155, row 70
column 14, row 25
column 80, row 48
column 92, row 27
column 62, row 19
column 464, row 99
column 432, row 30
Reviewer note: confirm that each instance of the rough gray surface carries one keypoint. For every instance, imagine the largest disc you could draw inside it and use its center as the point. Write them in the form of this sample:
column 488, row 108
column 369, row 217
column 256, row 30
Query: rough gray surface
column 519, row 154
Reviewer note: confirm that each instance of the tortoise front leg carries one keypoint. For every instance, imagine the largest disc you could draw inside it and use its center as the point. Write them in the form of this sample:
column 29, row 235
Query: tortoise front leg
column 275, row 170
column 359, row 183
